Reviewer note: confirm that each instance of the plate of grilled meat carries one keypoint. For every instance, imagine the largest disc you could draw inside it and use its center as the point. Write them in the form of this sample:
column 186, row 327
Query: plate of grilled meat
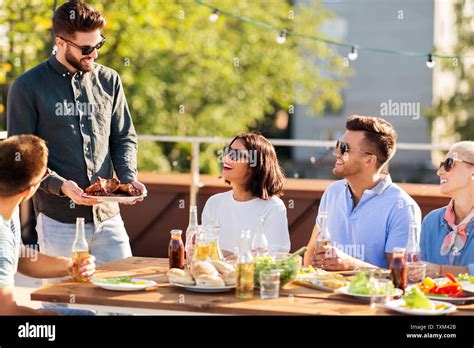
column 112, row 190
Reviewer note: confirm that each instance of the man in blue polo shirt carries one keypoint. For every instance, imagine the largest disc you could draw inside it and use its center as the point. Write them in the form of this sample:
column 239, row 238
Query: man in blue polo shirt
column 368, row 215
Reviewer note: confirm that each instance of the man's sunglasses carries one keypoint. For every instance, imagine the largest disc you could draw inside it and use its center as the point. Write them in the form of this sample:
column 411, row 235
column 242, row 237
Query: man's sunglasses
column 449, row 163
column 234, row 154
column 343, row 147
column 43, row 178
column 85, row 50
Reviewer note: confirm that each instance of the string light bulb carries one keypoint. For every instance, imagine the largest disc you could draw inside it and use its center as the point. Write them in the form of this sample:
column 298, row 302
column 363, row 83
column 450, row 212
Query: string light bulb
column 214, row 16
column 430, row 63
column 281, row 39
column 353, row 53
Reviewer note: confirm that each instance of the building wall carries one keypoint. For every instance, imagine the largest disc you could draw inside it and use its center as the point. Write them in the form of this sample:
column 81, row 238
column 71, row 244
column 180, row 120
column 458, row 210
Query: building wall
column 379, row 78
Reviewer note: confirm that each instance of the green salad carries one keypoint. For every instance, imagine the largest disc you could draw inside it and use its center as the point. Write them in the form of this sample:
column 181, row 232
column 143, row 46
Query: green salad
column 361, row 285
column 123, row 280
column 465, row 277
column 416, row 299
column 288, row 267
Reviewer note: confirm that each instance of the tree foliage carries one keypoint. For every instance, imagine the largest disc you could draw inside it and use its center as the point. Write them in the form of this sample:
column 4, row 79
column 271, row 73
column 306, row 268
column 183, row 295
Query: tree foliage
column 184, row 75
column 458, row 108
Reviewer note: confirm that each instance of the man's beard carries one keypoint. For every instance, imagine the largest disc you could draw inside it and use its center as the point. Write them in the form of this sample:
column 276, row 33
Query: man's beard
column 347, row 171
column 76, row 63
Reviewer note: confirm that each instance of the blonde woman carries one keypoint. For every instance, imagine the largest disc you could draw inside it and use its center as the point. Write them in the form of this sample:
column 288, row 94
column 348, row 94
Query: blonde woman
column 447, row 234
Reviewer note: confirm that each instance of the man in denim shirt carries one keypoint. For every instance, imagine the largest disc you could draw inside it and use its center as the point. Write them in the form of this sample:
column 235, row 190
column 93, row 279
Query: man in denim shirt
column 80, row 109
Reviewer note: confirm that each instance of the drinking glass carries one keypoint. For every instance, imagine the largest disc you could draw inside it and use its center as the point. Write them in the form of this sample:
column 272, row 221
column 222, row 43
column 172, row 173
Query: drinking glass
column 269, row 284
column 381, row 291
column 416, row 272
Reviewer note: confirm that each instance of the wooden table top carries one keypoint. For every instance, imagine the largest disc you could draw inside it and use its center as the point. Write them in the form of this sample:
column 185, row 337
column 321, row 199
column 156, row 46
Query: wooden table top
column 293, row 300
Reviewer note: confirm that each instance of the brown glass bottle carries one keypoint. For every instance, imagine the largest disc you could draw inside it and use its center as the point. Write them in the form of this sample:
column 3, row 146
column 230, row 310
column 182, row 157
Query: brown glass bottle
column 176, row 250
column 398, row 268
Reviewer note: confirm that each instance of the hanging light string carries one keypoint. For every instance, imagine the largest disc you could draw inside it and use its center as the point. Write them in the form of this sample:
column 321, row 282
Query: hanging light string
column 352, row 48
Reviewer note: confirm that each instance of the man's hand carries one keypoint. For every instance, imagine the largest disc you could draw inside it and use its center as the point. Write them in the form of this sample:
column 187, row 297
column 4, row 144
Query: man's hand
column 87, row 267
column 70, row 189
column 138, row 186
column 333, row 259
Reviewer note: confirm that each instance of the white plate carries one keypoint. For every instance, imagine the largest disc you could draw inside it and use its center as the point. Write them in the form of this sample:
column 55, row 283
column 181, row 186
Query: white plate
column 397, row 305
column 114, row 199
column 125, row 286
column 205, row 289
column 467, row 286
column 345, row 290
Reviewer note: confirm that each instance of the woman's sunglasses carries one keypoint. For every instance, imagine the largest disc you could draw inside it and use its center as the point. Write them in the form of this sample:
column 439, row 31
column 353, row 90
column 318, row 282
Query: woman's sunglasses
column 449, row 163
column 343, row 147
column 85, row 50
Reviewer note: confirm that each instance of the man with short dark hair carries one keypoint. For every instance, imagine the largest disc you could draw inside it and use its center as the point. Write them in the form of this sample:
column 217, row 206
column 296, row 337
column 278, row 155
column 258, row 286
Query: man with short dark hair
column 368, row 215
column 22, row 169
column 79, row 108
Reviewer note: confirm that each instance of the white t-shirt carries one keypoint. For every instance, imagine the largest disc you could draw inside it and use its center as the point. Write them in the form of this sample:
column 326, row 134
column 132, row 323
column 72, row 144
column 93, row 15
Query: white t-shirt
column 234, row 216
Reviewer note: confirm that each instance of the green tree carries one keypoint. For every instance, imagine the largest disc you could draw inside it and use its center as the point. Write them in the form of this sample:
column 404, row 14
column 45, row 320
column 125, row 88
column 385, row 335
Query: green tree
column 458, row 108
column 184, row 75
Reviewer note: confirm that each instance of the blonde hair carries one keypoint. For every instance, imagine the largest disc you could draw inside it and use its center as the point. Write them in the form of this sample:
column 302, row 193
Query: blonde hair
column 465, row 149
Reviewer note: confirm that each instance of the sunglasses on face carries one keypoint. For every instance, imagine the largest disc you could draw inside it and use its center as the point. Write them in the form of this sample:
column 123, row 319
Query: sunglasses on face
column 85, row 50
column 43, row 178
column 234, row 154
column 343, row 147
column 448, row 164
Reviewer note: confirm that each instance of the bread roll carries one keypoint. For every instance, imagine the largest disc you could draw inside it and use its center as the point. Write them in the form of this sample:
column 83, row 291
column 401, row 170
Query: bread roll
column 210, row 281
column 223, row 267
column 179, row 276
column 202, row 268
column 230, row 279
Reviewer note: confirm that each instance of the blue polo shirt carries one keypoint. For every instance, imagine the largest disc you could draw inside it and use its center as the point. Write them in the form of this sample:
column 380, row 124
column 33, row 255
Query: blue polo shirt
column 433, row 231
column 376, row 225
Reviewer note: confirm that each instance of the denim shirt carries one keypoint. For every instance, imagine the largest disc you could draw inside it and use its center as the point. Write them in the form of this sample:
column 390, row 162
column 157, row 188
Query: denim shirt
column 85, row 121
column 433, row 231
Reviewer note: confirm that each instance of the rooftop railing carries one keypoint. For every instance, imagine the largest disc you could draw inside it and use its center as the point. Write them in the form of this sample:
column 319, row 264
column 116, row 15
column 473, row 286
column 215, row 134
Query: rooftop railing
column 197, row 141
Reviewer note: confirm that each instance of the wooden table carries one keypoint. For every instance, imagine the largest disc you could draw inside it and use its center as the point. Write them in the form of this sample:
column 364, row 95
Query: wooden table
column 167, row 299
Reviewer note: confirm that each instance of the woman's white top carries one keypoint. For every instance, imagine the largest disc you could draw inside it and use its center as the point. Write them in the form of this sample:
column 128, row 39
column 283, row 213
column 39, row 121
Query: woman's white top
column 234, row 216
